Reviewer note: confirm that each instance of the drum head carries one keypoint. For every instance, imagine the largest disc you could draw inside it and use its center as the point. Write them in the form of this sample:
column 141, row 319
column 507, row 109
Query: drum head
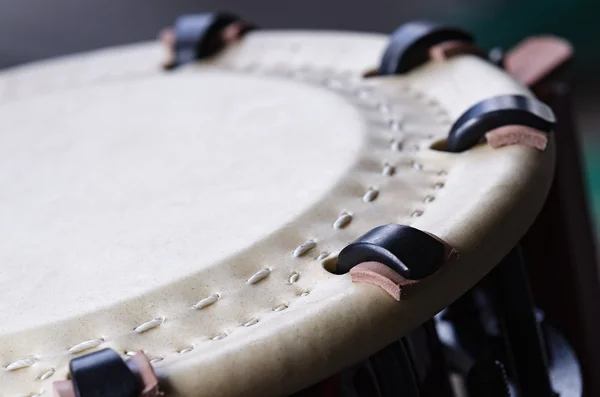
column 197, row 214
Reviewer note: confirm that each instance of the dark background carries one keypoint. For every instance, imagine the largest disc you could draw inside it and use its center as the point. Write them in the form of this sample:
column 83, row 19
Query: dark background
column 36, row 29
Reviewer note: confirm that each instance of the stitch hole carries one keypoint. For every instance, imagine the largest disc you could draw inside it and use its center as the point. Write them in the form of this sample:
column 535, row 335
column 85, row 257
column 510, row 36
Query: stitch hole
column 251, row 322
column 330, row 264
column 388, row 169
column 428, row 199
column 395, row 124
column 280, row 308
column 416, row 165
column 439, row 145
column 396, row 145
column 186, row 350
column 439, row 185
column 156, row 360
column 47, row 374
column 220, row 336
column 293, row 277
column 322, row 255
column 417, row 213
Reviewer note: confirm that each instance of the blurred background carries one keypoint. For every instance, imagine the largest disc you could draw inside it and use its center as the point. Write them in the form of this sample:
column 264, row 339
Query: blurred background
column 32, row 30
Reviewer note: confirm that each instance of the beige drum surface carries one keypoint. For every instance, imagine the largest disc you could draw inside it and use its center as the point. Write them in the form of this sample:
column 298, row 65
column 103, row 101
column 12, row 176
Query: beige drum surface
column 194, row 214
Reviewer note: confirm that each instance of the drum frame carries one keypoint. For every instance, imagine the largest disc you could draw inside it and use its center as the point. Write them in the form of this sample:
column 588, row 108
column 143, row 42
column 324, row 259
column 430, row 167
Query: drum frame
column 546, row 287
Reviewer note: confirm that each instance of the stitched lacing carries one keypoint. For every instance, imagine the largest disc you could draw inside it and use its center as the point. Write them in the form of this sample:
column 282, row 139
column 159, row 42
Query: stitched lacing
column 363, row 97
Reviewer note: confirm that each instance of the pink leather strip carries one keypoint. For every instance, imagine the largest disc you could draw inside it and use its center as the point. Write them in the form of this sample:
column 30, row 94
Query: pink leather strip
column 536, row 58
column 63, row 388
column 385, row 278
column 517, row 134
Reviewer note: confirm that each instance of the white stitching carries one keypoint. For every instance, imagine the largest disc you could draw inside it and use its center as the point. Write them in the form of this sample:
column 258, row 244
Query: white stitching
column 147, row 326
column 259, row 275
column 370, row 195
column 293, row 277
column 186, row 350
column 416, row 213
column 395, row 124
column 322, row 255
column 396, row 145
column 20, row 364
column 83, row 346
column 304, row 248
column 220, row 336
column 343, row 220
column 47, row 374
column 388, row 169
column 428, row 199
column 281, row 307
column 209, row 300
column 250, row 323
column 416, row 165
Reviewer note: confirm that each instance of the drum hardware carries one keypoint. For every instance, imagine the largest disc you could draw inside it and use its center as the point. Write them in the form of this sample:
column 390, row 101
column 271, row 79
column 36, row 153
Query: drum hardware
column 498, row 318
column 497, row 322
column 410, row 45
column 478, row 339
column 559, row 248
column 491, row 117
column 488, row 378
column 104, row 373
column 515, row 309
column 199, row 36
column 426, row 353
column 408, row 251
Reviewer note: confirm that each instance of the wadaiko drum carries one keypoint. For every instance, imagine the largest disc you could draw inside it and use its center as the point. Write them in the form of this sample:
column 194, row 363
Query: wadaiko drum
column 276, row 213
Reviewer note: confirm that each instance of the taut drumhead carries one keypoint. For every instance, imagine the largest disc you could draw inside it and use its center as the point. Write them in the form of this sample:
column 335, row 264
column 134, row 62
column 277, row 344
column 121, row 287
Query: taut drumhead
column 195, row 214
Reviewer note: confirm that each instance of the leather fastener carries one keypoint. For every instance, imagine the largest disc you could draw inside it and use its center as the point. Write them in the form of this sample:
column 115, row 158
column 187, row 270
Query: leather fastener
column 105, row 374
column 538, row 59
column 503, row 120
column 394, row 256
column 414, row 43
column 199, row 36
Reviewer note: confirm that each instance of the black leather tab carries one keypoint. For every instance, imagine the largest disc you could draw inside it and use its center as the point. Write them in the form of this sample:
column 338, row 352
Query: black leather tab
column 495, row 112
column 198, row 36
column 409, row 45
column 103, row 374
column 406, row 250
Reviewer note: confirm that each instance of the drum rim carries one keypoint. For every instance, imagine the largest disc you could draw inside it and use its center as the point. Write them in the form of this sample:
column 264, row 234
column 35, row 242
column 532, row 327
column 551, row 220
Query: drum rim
column 535, row 182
